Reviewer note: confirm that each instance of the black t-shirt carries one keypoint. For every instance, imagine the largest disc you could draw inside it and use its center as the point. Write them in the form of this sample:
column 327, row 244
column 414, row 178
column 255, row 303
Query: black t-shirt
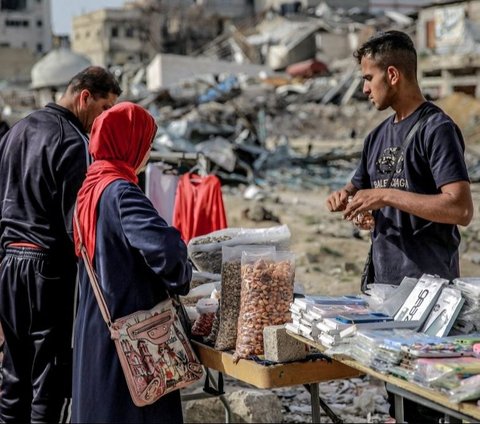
column 43, row 161
column 403, row 244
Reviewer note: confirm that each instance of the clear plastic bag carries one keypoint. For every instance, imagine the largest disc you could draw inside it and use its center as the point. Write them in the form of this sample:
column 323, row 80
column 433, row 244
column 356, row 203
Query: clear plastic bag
column 201, row 285
column 387, row 298
column 266, row 295
column 231, row 288
column 199, row 278
column 446, row 373
column 206, row 309
column 197, row 293
column 363, row 220
column 469, row 389
column 206, row 251
column 212, row 337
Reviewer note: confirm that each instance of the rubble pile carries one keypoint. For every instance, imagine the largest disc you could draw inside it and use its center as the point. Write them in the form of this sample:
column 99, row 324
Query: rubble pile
column 260, row 129
column 279, row 133
column 352, row 400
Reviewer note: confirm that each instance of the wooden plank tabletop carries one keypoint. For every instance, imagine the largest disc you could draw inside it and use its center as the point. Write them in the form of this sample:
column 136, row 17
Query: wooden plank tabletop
column 273, row 376
column 468, row 408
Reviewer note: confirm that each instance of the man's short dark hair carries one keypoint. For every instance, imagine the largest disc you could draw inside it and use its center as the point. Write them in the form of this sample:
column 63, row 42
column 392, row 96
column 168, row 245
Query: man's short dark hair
column 97, row 80
column 391, row 48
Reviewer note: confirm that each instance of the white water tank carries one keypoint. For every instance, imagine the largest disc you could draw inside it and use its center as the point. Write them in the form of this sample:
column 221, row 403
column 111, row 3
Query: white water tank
column 57, row 67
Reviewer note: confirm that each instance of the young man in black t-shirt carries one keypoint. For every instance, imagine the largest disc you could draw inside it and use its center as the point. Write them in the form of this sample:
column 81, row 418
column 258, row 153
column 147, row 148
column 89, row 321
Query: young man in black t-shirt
column 416, row 216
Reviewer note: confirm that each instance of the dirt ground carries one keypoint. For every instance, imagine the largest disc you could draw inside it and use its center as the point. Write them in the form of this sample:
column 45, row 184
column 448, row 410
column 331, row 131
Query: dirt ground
column 329, row 259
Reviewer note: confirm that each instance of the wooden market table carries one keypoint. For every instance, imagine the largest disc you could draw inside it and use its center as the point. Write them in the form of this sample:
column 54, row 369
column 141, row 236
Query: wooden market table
column 468, row 411
column 308, row 373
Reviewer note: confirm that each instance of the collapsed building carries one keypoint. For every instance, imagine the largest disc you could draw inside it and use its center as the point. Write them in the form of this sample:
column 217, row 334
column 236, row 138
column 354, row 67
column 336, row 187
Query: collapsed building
column 278, row 89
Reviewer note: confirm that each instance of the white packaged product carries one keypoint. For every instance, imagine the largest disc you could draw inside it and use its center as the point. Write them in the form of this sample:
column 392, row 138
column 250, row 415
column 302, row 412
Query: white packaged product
column 422, row 299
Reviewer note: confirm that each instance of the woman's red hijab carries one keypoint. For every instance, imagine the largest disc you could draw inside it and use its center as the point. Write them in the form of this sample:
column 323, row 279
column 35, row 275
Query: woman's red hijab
column 120, row 139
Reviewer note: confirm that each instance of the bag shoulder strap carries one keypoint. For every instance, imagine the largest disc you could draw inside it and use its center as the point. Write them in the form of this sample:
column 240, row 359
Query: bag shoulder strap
column 92, row 275
column 407, row 141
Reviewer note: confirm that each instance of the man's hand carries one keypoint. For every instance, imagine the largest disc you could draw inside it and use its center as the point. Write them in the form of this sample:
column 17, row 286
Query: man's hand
column 337, row 201
column 364, row 201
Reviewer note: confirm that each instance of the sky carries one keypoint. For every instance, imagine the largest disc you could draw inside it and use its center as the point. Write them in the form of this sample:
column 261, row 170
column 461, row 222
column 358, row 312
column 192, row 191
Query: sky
column 63, row 11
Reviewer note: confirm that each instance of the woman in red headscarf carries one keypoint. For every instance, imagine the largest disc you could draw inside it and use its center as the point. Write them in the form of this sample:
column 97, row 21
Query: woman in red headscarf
column 138, row 259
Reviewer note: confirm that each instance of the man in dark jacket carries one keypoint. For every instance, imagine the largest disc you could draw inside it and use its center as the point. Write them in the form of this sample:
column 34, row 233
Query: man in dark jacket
column 4, row 127
column 43, row 161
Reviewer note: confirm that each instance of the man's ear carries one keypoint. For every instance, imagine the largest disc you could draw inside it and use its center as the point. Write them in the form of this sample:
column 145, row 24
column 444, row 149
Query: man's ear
column 84, row 97
column 393, row 75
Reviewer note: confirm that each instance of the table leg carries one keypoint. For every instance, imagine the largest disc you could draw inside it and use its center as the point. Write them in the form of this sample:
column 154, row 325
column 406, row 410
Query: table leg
column 399, row 415
column 450, row 415
column 218, row 391
column 315, row 401
column 226, row 407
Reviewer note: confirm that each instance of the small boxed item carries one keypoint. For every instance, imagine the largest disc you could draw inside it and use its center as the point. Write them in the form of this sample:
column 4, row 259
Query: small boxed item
column 422, row 299
column 444, row 313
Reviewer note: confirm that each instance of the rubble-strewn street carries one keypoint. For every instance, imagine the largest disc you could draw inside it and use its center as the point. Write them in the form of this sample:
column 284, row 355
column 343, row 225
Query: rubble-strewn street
column 351, row 400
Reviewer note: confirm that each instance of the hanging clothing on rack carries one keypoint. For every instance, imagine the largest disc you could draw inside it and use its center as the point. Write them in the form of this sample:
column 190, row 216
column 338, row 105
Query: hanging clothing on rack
column 160, row 188
column 199, row 207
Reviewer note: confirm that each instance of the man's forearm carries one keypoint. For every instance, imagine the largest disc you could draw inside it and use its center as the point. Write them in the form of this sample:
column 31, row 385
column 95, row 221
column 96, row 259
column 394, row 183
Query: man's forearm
column 445, row 207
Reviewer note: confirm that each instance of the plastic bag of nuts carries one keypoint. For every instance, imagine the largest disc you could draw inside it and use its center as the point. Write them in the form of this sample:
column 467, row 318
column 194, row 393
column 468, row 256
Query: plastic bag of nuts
column 231, row 287
column 363, row 220
column 267, row 291
column 203, row 324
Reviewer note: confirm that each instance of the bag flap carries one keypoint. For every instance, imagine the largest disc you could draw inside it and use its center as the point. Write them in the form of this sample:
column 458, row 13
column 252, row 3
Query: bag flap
column 156, row 328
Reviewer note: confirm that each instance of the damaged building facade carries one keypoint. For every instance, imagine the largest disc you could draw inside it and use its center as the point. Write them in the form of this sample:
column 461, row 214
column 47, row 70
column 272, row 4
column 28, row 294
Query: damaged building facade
column 25, row 34
column 112, row 36
column 448, row 43
column 142, row 28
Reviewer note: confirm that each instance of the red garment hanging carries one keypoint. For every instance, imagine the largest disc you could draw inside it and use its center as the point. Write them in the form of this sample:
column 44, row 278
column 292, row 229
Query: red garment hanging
column 199, row 206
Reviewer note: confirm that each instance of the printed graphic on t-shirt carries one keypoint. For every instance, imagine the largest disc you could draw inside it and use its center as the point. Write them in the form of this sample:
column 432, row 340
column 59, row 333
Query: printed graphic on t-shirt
column 384, row 167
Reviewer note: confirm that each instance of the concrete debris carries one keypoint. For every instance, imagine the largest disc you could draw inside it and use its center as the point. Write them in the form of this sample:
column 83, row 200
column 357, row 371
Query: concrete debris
column 362, row 400
column 257, row 213
column 275, row 102
column 246, row 405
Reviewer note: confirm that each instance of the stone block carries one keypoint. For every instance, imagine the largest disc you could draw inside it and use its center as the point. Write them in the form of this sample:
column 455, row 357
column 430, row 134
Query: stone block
column 247, row 406
column 279, row 346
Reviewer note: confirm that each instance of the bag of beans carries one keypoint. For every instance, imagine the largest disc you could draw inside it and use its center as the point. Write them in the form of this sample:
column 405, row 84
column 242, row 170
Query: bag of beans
column 265, row 298
column 206, row 309
column 231, row 287
column 206, row 251
column 212, row 337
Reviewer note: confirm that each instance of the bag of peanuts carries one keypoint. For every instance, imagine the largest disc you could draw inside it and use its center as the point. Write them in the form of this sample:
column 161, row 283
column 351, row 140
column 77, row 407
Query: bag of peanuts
column 206, row 309
column 231, row 287
column 266, row 294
